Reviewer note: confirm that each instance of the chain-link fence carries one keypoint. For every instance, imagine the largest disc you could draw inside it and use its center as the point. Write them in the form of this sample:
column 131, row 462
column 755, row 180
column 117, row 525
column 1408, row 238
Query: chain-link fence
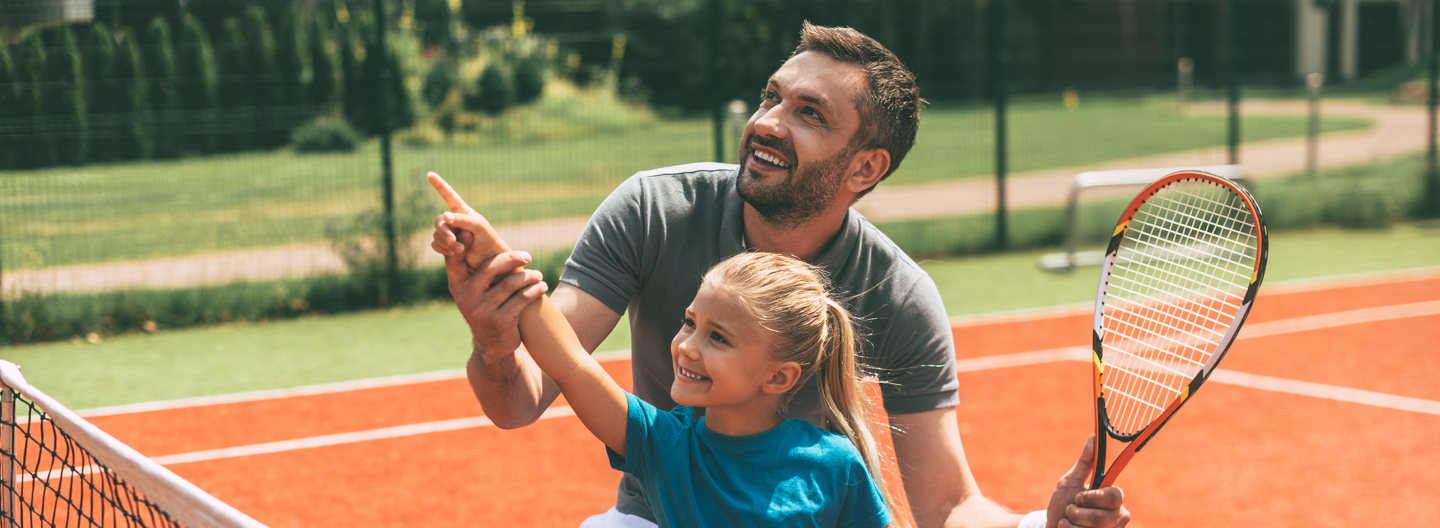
column 190, row 161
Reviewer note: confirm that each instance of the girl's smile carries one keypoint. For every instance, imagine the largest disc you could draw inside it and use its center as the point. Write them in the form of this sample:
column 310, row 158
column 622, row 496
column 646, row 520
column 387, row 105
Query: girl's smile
column 723, row 362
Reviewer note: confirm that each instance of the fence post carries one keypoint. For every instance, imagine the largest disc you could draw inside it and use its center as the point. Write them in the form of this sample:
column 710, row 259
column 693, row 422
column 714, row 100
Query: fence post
column 1314, row 82
column 717, row 77
column 391, row 287
column 1432, row 164
column 1232, row 84
column 1000, row 54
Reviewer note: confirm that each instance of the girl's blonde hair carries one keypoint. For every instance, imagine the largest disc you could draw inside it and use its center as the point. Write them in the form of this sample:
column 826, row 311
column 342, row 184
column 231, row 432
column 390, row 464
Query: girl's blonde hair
column 793, row 300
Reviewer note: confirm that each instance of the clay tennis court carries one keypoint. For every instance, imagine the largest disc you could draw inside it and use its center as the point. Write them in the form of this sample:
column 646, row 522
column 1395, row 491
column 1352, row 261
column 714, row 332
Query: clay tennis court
column 1324, row 413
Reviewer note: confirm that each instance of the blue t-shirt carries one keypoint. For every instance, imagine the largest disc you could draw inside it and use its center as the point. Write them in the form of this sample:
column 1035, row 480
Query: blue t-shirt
column 792, row 475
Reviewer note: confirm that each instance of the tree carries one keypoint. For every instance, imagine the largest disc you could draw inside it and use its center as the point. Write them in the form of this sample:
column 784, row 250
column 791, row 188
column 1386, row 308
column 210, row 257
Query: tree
column 432, row 19
column 324, row 72
column 358, row 92
column 9, row 110
column 262, row 80
column 195, row 84
column 437, row 84
column 132, row 101
column 398, row 100
column 289, row 57
column 164, row 95
column 30, row 71
column 234, row 91
column 99, row 101
column 65, row 104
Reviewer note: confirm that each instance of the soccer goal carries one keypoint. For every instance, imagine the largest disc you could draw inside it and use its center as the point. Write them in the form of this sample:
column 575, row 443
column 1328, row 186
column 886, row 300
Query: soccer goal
column 1069, row 258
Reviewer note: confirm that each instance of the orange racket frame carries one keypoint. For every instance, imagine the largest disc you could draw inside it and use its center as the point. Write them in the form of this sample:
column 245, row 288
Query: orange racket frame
column 1104, row 477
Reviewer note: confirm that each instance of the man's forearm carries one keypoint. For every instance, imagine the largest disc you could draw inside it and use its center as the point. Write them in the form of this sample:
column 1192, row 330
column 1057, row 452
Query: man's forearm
column 510, row 387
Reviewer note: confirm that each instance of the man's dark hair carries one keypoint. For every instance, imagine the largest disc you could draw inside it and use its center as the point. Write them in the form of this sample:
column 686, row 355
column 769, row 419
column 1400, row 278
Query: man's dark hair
column 890, row 109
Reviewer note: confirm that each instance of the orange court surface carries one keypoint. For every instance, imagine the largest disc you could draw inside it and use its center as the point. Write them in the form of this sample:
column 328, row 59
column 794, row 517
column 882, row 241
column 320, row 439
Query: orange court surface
column 1325, row 412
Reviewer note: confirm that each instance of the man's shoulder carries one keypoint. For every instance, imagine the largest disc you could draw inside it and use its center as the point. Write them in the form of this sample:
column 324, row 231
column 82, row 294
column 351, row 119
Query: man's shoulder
column 674, row 186
column 897, row 272
column 690, row 170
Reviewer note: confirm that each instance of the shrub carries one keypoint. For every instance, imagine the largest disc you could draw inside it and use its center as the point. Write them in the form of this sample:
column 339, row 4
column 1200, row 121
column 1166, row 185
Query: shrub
column 324, row 72
column 195, row 82
column 99, row 101
column 529, row 80
column 325, row 135
column 164, row 95
column 493, row 92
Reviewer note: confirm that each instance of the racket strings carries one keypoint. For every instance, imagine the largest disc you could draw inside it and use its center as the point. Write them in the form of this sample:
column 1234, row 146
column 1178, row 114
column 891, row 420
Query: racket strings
column 1177, row 282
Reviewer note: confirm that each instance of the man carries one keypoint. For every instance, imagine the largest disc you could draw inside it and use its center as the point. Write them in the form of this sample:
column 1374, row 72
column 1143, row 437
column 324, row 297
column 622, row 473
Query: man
column 834, row 120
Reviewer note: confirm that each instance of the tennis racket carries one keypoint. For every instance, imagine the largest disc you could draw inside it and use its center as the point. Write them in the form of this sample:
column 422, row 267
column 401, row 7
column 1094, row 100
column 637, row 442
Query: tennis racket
column 1178, row 279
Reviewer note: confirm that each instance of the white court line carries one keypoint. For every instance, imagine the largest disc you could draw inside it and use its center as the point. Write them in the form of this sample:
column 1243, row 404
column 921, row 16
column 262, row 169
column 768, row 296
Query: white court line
column 1352, row 280
column 1331, row 320
column 345, row 438
column 307, row 390
column 1328, row 392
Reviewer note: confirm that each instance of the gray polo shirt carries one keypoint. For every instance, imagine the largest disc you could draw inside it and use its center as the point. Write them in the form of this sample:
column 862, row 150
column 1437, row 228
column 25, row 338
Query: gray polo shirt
column 648, row 245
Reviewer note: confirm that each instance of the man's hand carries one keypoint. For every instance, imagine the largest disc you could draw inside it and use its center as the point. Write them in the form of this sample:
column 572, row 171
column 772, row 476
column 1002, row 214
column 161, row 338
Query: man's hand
column 1072, row 505
column 490, row 289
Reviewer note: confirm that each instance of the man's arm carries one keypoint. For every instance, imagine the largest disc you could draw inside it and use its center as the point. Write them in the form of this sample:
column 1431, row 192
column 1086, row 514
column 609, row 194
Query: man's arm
column 942, row 491
column 937, row 478
column 491, row 294
column 509, row 385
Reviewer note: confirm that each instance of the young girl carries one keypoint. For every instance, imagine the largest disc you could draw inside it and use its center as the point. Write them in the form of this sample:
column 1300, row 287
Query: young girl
column 759, row 327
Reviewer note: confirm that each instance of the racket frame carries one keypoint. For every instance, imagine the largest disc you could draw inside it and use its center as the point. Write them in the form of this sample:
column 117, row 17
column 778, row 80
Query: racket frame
column 1104, row 477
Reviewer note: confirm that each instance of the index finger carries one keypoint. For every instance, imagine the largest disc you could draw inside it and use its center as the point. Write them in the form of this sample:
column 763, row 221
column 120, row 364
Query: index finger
column 452, row 198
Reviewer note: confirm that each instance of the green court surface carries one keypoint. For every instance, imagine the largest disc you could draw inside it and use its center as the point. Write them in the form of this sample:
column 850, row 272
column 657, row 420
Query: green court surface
column 236, row 358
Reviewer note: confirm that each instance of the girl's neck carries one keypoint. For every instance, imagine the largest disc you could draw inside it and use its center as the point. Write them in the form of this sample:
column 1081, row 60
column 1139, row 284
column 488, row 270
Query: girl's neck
column 745, row 420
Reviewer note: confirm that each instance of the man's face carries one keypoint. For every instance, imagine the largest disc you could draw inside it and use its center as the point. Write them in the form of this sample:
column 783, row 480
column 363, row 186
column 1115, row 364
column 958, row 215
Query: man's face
column 796, row 149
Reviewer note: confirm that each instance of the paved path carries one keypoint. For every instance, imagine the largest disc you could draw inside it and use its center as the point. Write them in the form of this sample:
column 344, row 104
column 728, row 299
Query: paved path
column 1398, row 130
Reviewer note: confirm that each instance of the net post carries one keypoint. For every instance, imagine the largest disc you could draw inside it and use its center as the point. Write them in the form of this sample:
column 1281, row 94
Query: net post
column 7, row 453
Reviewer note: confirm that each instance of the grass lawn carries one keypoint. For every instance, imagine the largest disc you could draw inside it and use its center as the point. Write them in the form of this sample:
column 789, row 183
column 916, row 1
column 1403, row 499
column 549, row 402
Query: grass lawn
column 236, row 358
column 98, row 213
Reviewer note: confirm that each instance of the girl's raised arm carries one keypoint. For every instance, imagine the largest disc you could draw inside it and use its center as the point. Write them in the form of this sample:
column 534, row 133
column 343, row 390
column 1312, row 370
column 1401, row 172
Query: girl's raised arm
column 598, row 401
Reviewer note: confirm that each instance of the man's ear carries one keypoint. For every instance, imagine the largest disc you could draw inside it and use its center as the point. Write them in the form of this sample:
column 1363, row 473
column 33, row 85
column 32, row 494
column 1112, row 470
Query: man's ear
column 866, row 169
column 784, row 377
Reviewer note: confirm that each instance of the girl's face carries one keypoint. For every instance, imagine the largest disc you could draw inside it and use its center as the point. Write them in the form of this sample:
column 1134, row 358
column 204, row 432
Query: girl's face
column 721, row 356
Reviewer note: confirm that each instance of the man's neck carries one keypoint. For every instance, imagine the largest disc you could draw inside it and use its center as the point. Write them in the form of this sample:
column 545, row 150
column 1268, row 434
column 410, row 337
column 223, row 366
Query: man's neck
column 804, row 241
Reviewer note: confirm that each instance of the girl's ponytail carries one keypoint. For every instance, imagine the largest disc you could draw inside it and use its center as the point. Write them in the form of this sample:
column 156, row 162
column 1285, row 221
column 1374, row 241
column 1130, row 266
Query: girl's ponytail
column 847, row 407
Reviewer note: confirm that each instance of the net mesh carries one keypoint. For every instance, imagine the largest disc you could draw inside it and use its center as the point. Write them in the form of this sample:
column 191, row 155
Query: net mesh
column 1178, row 281
column 59, row 483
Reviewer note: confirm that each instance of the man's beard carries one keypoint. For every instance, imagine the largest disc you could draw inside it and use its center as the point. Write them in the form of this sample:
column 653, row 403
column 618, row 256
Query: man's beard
column 801, row 195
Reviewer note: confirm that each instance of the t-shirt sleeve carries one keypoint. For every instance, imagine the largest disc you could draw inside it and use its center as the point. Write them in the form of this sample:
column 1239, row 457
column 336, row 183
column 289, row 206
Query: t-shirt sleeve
column 864, row 506
column 917, row 372
column 649, row 433
column 606, row 260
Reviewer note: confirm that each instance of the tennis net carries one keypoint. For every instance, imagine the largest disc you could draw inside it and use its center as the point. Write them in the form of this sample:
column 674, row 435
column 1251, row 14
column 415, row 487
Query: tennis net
column 60, row 470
